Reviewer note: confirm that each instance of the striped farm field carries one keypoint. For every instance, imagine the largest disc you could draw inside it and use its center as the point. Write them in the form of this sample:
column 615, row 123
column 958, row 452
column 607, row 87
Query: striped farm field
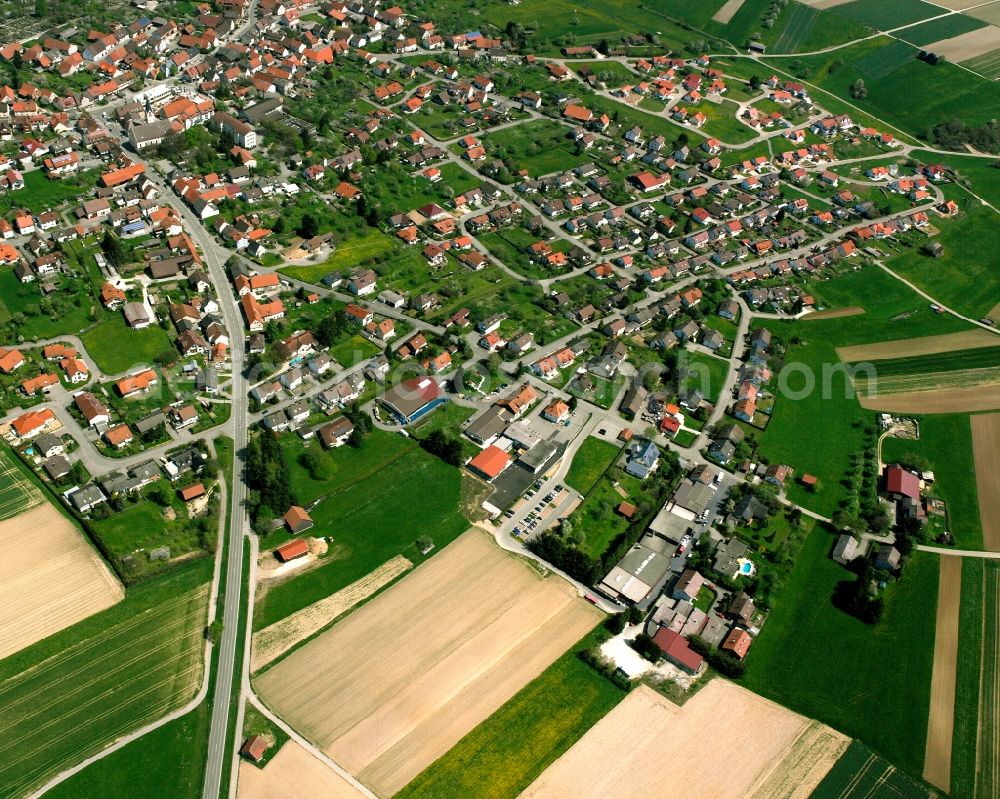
column 987, row 64
column 988, row 743
column 70, row 695
column 862, row 774
column 979, row 358
column 801, row 19
column 17, row 492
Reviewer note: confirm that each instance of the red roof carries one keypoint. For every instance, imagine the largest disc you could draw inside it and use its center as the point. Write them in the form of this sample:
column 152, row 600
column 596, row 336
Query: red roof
column 738, row 642
column 900, row 481
column 676, row 648
column 491, row 461
column 293, row 549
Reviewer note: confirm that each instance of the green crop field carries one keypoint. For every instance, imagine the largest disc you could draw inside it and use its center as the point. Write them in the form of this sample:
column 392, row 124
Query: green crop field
column 872, row 683
column 115, row 348
column 419, row 496
column 883, row 62
column 17, row 492
column 938, row 29
column 800, row 21
column 945, row 444
column 967, row 680
column 887, row 14
column 862, row 774
column 590, row 461
column 504, row 754
column 173, row 755
column 69, row 695
column 938, row 362
column 987, row 64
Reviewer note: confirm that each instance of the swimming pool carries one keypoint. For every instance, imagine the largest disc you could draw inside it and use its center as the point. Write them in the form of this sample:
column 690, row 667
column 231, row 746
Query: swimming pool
column 746, row 567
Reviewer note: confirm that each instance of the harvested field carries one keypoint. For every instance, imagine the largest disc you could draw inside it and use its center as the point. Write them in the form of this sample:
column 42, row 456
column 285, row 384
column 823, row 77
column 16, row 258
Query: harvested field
column 728, row 11
column 941, row 722
column 396, row 684
column 967, row 45
column 987, row 12
column 782, row 754
column 924, row 345
column 958, row 5
column 53, row 579
column 825, row 4
column 941, row 400
column 835, row 313
column 293, row 772
column 986, row 454
column 281, row 636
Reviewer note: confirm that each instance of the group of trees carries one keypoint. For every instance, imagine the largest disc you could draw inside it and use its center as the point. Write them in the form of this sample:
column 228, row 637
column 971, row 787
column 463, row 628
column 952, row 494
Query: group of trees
column 445, row 445
column 267, row 477
column 956, row 134
column 857, row 597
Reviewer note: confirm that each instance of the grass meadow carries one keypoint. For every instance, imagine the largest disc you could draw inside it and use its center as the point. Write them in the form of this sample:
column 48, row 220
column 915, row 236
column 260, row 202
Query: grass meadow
column 591, row 461
column 371, row 244
column 115, row 348
column 872, row 683
column 939, row 29
column 503, row 755
column 69, row 695
column 418, row 495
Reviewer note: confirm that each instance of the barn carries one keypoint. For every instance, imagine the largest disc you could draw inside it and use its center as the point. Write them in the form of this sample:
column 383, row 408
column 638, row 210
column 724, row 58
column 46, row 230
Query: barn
column 292, row 550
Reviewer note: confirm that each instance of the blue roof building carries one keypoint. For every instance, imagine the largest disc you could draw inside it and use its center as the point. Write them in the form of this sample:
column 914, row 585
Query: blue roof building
column 642, row 460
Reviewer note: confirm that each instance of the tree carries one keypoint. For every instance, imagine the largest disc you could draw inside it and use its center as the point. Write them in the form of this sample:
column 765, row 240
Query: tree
column 112, row 247
column 858, row 90
column 445, row 446
column 317, row 464
column 309, row 226
column 647, row 647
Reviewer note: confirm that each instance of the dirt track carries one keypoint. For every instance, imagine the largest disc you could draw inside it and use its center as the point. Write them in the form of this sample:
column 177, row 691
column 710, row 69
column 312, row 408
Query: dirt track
column 397, row 683
column 278, row 638
column 293, row 773
column 944, row 400
column 834, row 313
column 941, row 721
column 986, row 454
column 647, row 747
column 52, row 580
column 924, row 345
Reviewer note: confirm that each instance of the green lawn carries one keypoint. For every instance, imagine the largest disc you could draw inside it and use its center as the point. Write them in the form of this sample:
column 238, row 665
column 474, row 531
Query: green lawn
column 540, row 147
column 612, row 72
column 142, row 527
column 596, row 519
column 871, row 683
column 704, row 372
column 355, row 251
column 116, row 349
column 504, row 754
column 590, row 461
column 685, row 438
column 101, row 678
column 40, row 194
column 417, row 495
column 970, row 652
column 60, row 314
column 353, row 350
